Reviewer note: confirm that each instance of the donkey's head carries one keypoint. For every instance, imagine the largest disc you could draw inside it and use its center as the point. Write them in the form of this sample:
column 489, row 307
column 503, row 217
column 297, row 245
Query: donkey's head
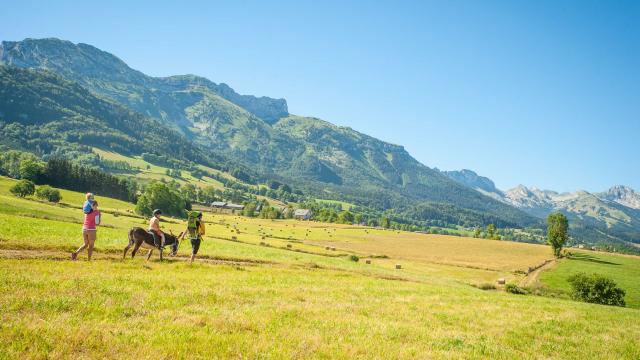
column 175, row 245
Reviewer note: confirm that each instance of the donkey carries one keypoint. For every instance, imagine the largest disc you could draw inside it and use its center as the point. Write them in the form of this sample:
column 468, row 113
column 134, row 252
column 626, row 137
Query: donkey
column 140, row 237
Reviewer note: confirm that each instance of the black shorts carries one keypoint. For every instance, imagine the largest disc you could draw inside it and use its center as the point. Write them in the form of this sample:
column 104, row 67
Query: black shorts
column 195, row 245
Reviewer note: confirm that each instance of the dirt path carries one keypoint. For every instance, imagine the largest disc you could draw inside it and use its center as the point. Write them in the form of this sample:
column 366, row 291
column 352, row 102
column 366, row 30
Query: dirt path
column 532, row 278
column 21, row 254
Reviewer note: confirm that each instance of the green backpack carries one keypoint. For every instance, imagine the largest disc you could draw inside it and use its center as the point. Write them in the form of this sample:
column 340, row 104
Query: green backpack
column 193, row 222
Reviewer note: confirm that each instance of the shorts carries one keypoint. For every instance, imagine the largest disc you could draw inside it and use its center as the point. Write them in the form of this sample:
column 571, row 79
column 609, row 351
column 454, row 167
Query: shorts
column 195, row 245
column 89, row 234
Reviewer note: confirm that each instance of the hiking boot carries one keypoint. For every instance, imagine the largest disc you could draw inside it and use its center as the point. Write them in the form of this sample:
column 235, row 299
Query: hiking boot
column 74, row 256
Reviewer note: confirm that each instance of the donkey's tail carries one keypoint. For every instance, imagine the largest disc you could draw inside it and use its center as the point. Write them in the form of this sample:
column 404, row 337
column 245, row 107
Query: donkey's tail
column 130, row 244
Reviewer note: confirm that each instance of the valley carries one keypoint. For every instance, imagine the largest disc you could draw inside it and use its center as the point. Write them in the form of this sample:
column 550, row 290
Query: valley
column 290, row 296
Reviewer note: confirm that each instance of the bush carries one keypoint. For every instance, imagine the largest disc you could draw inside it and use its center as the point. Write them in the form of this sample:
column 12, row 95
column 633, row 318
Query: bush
column 486, row 286
column 23, row 188
column 46, row 192
column 514, row 289
column 354, row 258
column 596, row 289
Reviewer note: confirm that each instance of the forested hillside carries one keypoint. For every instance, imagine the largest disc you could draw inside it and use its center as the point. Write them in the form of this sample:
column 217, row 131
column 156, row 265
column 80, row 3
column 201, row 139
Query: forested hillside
column 209, row 123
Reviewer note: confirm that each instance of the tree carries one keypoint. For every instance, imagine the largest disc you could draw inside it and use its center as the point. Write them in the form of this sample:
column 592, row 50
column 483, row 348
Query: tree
column 288, row 212
column 557, row 232
column 189, row 192
column 477, row 232
column 30, row 169
column 358, row 218
column 46, row 192
column 23, row 188
column 160, row 196
column 345, row 217
column 491, row 231
column 385, row 223
column 249, row 209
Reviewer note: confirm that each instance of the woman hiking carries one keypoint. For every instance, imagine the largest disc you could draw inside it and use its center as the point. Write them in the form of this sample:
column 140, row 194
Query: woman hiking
column 89, row 230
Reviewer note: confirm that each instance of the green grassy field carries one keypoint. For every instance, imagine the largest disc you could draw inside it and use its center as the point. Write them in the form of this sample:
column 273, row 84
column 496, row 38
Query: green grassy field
column 272, row 289
column 625, row 270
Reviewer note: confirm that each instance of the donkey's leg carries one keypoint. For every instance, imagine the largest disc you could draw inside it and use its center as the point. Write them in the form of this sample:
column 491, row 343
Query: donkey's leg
column 149, row 254
column 135, row 250
column 161, row 250
column 124, row 255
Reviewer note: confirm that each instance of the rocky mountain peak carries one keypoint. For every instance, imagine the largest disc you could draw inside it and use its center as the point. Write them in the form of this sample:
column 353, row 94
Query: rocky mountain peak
column 471, row 179
column 623, row 195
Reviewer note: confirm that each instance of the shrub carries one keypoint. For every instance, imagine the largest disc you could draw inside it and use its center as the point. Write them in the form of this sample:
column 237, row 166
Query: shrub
column 354, row 258
column 23, row 188
column 46, row 192
column 596, row 289
column 514, row 289
column 486, row 286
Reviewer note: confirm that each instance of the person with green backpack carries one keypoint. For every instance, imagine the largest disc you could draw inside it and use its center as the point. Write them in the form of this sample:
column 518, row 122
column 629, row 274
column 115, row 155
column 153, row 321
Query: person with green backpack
column 195, row 229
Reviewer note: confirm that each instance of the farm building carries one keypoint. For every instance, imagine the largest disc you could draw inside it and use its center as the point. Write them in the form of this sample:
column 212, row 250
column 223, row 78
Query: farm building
column 302, row 214
column 226, row 205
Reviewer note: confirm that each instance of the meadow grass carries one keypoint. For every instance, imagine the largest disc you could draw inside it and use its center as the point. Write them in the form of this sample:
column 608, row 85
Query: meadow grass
column 302, row 301
column 172, row 310
column 624, row 270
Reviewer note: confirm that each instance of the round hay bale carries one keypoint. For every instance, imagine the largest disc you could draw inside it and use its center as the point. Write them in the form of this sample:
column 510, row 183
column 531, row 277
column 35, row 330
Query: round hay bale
column 234, row 238
column 368, row 261
column 289, row 246
column 501, row 281
column 333, row 249
column 262, row 243
column 398, row 266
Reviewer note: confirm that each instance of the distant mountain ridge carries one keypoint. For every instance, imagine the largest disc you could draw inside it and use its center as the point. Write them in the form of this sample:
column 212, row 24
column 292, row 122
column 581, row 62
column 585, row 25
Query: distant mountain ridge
column 106, row 74
column 623, row 195
column 256, row 133
column 613, row 213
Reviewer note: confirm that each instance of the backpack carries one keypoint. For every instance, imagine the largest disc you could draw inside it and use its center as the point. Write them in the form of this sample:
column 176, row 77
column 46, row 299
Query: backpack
column 193, row 223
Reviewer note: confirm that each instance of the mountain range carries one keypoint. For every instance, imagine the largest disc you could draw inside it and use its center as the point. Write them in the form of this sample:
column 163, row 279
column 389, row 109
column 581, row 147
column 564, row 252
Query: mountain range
column 612, row 214
column 58, row 98
column 222, row 128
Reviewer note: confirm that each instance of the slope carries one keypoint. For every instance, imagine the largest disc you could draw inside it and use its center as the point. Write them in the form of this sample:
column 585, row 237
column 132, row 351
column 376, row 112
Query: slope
column 326, row 160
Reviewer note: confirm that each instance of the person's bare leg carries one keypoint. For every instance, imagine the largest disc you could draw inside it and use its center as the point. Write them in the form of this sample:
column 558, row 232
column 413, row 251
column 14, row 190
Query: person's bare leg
column 92, row 241
column 193, row 256
column 85, row 238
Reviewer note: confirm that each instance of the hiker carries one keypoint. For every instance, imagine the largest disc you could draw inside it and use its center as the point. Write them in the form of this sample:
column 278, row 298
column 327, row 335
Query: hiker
column 89, row 230
column 195, row 228
column 86, row 207
column 154, row 229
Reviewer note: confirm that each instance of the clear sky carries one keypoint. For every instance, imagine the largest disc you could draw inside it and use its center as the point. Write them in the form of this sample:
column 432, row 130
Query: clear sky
column 540, row 93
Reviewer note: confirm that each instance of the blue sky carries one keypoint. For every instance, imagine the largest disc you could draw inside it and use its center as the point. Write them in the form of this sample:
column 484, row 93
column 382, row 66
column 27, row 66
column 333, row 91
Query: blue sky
column 543, row 93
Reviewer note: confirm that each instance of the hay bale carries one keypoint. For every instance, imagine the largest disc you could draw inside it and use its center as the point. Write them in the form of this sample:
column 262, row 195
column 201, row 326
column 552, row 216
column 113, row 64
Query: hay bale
column 262, row 243
column 368, row 261
column 234, row 238
column 501, row 281
column 333, row 249
column 398, row 266
column 327, row 248
column 289, row 246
